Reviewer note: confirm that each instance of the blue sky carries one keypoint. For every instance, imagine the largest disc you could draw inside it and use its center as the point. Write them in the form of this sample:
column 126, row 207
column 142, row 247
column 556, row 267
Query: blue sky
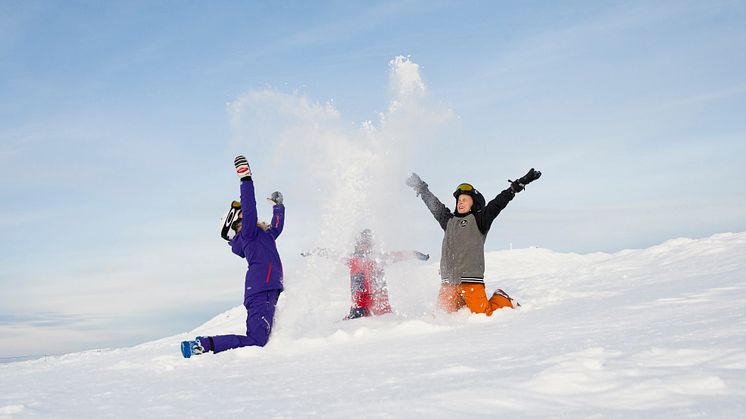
column 119, row 122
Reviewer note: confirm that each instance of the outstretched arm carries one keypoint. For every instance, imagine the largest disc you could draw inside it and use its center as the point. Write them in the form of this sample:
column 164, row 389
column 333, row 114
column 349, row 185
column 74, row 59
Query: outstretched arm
column 441, row 213
column 328, row 253
column 493, row 209
column 400, row 256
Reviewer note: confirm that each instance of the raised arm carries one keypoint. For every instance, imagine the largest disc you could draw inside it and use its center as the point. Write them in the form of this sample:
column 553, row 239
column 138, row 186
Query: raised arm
column 441, row 213
column 278, row 220
column 248, row 198
column 494, row 207
column 278, row 214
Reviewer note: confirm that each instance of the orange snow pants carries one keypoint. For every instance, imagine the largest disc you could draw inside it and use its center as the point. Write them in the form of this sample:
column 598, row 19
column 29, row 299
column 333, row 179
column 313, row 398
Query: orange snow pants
column 452, row 297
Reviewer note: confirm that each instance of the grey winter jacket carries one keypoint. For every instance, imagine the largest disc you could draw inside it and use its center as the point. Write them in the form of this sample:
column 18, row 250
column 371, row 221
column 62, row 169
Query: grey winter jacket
column 462, row 253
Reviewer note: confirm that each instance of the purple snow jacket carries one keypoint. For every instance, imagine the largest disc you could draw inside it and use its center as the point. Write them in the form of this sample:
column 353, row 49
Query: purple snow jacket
column 258, row 246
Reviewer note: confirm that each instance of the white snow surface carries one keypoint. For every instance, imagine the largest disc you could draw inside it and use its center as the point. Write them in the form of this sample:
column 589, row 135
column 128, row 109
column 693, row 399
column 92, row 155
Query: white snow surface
column 659, row 332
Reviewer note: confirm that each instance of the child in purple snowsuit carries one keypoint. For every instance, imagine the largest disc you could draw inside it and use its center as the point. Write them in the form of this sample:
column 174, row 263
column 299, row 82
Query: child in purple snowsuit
column 255, row 242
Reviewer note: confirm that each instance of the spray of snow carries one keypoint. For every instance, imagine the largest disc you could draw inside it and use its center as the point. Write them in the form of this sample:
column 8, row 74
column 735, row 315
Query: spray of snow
column 352, row 172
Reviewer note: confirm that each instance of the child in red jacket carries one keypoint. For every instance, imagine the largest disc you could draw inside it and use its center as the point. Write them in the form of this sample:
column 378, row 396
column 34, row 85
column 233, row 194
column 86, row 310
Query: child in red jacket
column 367, row 280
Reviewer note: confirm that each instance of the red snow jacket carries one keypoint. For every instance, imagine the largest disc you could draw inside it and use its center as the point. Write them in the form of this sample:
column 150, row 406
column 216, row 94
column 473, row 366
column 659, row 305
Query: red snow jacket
column 367, row 280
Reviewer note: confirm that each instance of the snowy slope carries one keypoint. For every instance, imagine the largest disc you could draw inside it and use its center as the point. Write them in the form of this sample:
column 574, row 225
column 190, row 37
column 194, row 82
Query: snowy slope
column 659, row 332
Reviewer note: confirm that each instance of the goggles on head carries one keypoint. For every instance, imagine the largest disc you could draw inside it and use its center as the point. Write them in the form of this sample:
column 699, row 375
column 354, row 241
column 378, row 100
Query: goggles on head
column 465, row 187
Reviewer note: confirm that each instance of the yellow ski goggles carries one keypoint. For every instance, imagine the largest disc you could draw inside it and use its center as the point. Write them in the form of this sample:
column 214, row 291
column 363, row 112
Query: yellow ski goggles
column 465, row 187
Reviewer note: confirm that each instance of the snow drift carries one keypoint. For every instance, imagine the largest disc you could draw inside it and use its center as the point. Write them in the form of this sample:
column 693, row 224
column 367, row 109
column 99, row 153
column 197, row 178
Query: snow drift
column 653, row 332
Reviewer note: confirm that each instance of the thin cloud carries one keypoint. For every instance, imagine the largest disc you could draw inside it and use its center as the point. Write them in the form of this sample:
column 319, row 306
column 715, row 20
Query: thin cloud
column 699, row 99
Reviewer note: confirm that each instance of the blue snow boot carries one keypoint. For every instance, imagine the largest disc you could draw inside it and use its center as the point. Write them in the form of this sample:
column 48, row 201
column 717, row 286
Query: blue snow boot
column 192, row 347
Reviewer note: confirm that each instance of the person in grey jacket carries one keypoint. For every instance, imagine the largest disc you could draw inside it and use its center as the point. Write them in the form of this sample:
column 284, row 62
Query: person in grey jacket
column 462, row 253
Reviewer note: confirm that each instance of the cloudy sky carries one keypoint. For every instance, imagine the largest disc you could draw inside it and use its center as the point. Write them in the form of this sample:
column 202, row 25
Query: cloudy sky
column 119, row 122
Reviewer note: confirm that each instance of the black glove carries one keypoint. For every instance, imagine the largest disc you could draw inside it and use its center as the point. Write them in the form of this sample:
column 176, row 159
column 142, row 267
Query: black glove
column 422, row 256
column 242, row 167
column 276, row 198
column 415, row 182
column 356, row 313
column 520, row 184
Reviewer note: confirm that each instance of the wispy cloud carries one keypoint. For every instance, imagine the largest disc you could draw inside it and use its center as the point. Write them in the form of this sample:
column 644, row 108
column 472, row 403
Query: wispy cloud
column 699, row 99
column 42, row 320
column 358, row 19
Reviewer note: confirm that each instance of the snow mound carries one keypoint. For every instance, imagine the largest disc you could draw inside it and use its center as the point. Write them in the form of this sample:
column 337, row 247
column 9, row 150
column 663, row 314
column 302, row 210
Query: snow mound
column 651, row 332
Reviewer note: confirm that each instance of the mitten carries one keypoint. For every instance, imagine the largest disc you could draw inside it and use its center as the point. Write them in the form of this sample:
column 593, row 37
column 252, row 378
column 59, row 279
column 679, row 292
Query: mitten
column 422, row 256
column 242, row 167
column 520, row 184
column 276, row 198
column 416, row 183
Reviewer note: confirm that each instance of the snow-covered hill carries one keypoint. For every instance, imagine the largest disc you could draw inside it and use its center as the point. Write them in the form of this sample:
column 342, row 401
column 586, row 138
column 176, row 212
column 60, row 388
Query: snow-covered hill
column 659, row 332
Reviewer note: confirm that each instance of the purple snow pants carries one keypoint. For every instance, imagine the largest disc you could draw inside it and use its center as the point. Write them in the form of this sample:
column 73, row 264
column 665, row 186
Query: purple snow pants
column 260, row 313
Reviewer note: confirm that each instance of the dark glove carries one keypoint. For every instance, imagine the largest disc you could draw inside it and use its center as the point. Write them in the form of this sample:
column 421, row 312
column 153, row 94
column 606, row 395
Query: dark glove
column 242, row 167
column 315, row 252
column 415, row 182
column 520, row 184
column 276, row 198
column 422, row 256
column 356, row 313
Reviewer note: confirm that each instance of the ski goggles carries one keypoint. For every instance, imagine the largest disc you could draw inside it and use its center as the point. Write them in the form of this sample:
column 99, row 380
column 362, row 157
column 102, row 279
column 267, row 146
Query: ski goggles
column 465, row 187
